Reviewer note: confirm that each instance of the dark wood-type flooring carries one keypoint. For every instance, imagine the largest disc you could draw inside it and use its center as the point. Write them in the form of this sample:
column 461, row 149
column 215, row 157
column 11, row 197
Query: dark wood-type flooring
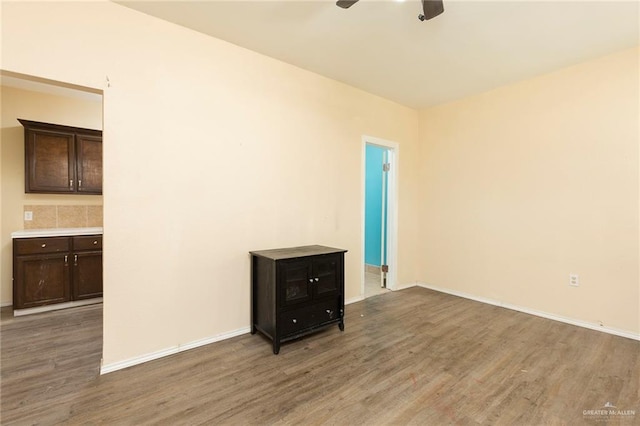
column 409, row 357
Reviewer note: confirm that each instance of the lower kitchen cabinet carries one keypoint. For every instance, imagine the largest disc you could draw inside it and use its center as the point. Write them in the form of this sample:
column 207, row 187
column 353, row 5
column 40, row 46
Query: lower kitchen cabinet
column 40, row 280
column 87, row 267
column 296, row 291
column 50, row 270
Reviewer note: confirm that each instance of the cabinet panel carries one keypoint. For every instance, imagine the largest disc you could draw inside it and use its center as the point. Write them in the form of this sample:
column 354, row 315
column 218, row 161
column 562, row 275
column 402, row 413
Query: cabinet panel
column 325, row 273
column 89, row 164
column 49, row 161
column 87, row 242
column 298, row 320
column 296, row 281
column 87, row 275
column 44, row 279
column 263, row 295
column 41, row 245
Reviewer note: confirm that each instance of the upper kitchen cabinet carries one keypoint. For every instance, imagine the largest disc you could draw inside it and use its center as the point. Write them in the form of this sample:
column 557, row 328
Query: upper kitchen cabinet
column 89, row 163
column 62, row 159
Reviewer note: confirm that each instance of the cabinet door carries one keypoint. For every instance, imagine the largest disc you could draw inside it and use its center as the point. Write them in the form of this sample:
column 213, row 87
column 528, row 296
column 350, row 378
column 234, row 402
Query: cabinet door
column 295, row 281
column 87, row 275
column 308, row 316
column 41, row 280
column 326, row 275
column 49, row 161
column 89, row 164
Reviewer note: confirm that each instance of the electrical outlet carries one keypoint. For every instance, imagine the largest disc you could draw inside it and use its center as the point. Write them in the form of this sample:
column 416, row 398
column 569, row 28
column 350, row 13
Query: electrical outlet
column 28, row 215
column 574, row 280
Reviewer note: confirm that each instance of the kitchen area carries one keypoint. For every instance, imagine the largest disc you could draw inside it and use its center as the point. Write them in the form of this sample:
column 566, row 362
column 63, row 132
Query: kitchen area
column 51, row 196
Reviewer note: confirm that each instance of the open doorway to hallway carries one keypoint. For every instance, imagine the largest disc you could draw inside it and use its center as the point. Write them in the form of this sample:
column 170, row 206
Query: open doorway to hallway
column 379, row 217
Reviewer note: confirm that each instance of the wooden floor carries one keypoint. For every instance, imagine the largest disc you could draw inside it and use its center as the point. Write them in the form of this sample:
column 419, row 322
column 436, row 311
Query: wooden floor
column 408, row 357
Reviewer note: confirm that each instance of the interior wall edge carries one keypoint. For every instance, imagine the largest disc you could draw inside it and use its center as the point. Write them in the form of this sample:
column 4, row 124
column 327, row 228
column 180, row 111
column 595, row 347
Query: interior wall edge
column 354, row 300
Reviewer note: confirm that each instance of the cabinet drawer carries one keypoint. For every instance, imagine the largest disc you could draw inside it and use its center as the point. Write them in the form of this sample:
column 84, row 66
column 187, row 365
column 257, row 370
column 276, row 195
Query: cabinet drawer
column 310, row 316
column 87, row 242
column 41, row 245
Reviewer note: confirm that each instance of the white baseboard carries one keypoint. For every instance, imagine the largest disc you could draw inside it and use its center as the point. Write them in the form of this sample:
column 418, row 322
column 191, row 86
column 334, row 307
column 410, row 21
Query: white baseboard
column 579, row 323
column 56, row 307
column 109, row 368
column 5, row 304
column 405, row 286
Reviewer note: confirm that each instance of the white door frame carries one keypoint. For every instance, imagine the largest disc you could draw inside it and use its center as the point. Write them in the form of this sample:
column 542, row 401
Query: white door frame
column 392, row 211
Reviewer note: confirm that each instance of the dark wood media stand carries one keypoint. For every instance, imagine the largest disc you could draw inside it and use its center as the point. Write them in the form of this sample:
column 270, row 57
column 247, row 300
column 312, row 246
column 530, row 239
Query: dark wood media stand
column 296, row 291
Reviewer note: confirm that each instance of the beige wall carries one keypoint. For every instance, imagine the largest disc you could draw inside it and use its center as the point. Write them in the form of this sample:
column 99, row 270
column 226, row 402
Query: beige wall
column 50, row 108
column 523, row 185
column 210, row 151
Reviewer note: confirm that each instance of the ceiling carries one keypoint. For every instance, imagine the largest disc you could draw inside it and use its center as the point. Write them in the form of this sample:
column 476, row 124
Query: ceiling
column 383, row 48
column 20, row 81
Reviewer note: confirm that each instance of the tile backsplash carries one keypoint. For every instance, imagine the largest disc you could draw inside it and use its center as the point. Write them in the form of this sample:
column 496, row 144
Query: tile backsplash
column 63, row 217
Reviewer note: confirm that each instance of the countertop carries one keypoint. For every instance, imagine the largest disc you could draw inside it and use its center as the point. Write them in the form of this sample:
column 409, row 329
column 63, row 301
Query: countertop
column 56, row 232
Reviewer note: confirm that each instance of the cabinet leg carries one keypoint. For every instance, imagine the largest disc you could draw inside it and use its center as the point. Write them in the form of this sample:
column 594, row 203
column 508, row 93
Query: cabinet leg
column 253, row 329
column 276, row 348
column 341, row 325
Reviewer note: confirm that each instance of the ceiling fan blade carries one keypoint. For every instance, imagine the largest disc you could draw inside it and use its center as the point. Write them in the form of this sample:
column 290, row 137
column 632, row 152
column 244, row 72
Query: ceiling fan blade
column 432, row 8
column 346, row 4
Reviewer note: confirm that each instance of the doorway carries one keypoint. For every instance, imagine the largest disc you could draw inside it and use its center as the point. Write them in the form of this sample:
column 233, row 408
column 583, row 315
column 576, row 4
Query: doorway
column 380, row 227
column 42, row 100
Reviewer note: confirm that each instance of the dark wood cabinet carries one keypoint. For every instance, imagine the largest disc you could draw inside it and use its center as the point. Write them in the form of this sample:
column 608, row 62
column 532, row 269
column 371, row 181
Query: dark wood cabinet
column 49, row 270
column 296, row 291
column 87, row 267
column 44, row 279
column 89, row 164
column 62, row 159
